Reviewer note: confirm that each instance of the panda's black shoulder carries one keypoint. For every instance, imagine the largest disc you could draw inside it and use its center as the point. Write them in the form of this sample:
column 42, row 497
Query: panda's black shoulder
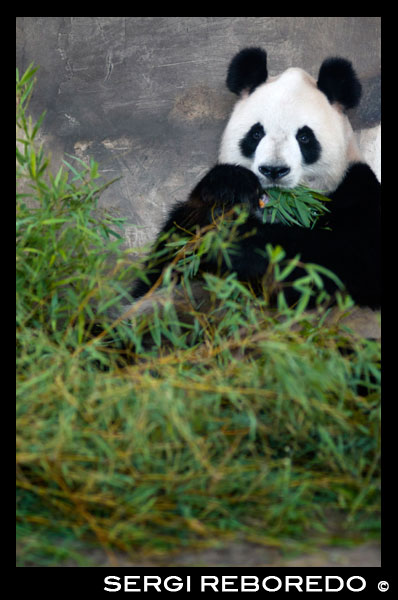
column 356, row 203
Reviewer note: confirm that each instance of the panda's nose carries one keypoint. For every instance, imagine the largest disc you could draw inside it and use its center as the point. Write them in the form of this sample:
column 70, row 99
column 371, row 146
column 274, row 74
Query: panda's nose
column 274, row 172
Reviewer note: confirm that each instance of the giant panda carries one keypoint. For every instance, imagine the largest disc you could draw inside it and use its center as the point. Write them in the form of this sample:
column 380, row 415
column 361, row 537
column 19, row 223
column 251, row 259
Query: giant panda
column 284, row 131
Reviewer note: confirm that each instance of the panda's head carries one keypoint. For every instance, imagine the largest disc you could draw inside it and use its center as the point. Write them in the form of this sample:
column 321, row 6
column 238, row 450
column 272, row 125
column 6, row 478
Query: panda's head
column 291, row 129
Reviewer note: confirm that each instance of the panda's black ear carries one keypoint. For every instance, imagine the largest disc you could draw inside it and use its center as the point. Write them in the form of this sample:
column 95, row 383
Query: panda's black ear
column 338, row 80
column 248, row 69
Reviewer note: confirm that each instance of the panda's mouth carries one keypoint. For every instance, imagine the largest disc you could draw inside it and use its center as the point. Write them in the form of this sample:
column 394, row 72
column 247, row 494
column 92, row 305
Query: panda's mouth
column 264, row 209
column 260, row 212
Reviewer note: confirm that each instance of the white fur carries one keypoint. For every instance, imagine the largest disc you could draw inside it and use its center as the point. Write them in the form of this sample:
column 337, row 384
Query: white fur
column 369, row 142
column 283, row 105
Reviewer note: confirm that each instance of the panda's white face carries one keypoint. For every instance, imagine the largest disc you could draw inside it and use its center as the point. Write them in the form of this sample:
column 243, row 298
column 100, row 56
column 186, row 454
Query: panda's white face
column 287, row 132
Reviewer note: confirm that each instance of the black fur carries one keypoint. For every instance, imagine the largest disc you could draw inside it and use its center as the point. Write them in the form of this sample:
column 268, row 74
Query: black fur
column 351, row 249
column 309, row 145
column 248, row 70
column 337, row 79
column 251, row 140
column 222, row 188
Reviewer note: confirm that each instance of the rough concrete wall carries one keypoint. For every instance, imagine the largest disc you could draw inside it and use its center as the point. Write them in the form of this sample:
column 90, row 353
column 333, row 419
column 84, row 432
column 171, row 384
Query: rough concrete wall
column 145, row 96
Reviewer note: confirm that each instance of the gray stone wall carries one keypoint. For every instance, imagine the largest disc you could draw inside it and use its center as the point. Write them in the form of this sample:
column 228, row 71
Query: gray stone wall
column 146, row 96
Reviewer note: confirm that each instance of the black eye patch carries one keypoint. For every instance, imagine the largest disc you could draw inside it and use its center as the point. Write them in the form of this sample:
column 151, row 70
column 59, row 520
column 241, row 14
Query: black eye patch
column 309, row 145
column 249, row 143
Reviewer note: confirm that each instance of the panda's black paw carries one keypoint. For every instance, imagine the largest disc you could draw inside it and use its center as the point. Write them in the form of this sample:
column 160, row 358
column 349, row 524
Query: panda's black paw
column 225, row 186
